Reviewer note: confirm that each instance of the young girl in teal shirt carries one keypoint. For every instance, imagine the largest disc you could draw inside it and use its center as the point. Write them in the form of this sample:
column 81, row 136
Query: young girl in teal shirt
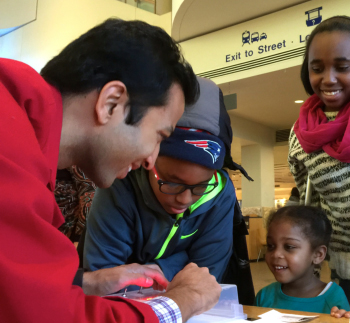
column 297, row 240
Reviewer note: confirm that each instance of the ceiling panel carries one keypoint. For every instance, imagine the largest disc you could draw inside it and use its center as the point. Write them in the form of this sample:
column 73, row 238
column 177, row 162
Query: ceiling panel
column 268, row 98
column 198, row 17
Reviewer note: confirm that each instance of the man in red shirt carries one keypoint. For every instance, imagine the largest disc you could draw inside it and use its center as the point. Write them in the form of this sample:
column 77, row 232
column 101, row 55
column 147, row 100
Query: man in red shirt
column 104, row 104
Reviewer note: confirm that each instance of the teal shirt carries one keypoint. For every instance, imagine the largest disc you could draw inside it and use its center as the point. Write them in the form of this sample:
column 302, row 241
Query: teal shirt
column 272, row 296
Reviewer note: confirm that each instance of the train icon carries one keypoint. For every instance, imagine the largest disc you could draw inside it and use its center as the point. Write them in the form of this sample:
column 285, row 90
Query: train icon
column 246, row 37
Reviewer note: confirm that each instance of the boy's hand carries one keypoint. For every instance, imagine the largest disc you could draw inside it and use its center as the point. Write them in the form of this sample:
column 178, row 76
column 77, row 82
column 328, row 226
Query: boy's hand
column 336, row 312
column 156, row 285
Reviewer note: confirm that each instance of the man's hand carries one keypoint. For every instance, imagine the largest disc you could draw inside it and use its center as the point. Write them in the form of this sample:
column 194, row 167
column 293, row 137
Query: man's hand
column 194, row 290
column 106, row 281
column 336, row 312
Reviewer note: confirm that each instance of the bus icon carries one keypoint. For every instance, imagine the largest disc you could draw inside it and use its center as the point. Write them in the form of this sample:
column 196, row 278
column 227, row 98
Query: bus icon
column 313, row 17
column 255, row 37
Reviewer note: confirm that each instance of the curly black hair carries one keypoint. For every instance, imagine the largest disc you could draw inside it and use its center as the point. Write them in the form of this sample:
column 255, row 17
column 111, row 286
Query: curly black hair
column 311, row 220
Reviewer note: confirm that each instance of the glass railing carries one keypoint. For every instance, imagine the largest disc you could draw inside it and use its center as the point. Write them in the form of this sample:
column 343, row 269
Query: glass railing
column 164, row 6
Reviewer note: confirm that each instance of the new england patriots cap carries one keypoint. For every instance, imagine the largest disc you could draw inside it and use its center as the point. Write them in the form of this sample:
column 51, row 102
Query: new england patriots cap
column 196, row 146
column 203, row 135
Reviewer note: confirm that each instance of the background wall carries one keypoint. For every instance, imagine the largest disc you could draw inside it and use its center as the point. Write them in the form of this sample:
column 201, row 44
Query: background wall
column 58, row 22
column 15, row 13
column 52, row 24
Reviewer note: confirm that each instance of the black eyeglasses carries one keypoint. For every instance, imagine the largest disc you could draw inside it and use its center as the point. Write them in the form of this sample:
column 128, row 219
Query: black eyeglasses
column 176, row 188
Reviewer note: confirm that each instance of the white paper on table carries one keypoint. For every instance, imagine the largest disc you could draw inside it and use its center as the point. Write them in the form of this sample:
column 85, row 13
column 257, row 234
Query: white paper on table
column 204, row 318
column 275, row 316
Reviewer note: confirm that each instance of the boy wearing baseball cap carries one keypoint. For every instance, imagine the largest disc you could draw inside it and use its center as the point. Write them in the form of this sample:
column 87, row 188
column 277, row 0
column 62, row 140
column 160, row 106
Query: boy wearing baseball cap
column 179, row 212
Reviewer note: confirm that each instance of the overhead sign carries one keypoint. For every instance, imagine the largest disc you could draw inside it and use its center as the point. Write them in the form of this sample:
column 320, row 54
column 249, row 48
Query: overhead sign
column 265, row 44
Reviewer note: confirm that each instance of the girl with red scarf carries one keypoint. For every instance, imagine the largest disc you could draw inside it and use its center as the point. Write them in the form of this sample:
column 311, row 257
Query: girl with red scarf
column 319, row 145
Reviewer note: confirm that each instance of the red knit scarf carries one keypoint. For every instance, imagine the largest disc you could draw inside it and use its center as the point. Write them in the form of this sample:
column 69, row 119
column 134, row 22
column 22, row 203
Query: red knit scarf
column 314, row 132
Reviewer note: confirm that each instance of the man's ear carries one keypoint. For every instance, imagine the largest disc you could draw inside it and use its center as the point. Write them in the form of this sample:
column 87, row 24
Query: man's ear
column 319, row 254
column 112, row 102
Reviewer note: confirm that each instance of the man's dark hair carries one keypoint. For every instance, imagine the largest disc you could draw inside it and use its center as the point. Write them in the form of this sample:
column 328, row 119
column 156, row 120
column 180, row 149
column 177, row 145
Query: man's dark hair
column 145, row 58
column 312, row 221
column 336, row 23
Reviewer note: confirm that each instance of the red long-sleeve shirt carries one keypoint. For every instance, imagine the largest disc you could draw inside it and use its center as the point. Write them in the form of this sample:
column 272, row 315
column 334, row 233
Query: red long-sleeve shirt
column 37, row 262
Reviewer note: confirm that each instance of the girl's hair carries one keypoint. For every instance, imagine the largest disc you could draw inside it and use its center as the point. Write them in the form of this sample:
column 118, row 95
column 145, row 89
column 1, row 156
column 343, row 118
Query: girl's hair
column 336, row 23
column 311, row 220
column 295, row 192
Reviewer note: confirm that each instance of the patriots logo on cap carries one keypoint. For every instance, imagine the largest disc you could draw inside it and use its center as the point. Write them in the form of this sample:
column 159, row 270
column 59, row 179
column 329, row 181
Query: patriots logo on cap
column 209, row 146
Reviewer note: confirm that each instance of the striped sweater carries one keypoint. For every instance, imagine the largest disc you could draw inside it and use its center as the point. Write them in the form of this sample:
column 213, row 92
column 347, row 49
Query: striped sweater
column 330, row 180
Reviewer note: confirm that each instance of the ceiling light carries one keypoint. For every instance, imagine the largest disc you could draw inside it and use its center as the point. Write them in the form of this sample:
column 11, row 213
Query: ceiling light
column 299, row 101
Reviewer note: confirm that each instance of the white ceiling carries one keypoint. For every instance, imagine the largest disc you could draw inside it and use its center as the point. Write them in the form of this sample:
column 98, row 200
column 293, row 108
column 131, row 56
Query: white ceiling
column 269, row 98
column 199, row 17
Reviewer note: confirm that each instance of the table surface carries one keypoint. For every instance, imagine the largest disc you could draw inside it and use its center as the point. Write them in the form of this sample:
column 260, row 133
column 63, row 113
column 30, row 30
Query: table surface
column 254, row 311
